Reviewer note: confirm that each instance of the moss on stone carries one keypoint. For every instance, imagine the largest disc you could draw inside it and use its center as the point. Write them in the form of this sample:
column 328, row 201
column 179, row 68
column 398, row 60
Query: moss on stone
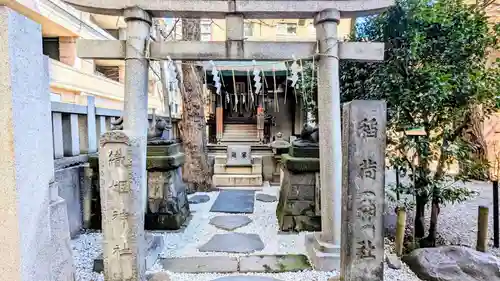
column 304, row 151
column 163, row 150
column 291, row 263
column 165, row 162
column 300, row 165
column 94, row 161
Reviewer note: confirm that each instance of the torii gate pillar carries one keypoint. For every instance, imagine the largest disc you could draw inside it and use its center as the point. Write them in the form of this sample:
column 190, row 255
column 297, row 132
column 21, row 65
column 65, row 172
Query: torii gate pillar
column 324, row 248
column 135, row 113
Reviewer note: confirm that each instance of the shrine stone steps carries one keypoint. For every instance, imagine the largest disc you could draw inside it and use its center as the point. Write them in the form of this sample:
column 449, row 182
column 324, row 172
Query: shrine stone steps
column 240, row 132
column 240, row 141
column 238, row 181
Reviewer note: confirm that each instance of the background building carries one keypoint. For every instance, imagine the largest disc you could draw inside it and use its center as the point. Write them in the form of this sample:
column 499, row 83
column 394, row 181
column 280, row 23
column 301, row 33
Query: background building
column 71, row 78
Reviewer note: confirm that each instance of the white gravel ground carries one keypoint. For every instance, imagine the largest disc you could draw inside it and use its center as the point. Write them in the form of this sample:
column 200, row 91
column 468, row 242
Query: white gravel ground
column 185, row 243
column 264, row 223
column 199, row 231
column 457, row 224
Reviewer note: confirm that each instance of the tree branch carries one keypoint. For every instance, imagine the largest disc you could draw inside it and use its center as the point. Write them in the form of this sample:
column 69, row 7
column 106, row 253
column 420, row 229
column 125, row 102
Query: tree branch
column 446, row 140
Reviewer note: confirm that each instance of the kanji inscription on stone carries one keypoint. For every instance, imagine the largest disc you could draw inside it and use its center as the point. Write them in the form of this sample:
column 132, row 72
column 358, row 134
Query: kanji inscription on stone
column 364, row 179
column 368, row 128
column 368, row 168
column 239, row 155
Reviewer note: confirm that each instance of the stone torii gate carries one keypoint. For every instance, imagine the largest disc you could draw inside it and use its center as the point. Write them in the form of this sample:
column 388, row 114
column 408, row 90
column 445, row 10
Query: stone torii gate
column 137, row 50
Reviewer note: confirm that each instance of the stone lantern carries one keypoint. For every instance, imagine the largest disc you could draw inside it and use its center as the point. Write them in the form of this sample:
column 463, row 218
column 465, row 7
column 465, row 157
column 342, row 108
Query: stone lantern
column 279, row 146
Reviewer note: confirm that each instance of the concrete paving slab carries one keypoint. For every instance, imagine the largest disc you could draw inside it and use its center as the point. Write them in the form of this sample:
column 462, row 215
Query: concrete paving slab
column 219, row 264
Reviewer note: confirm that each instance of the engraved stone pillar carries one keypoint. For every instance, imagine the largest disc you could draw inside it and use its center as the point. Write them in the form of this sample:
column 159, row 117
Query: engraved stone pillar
column 324, row 248
column 364, row 179
column 122, row 210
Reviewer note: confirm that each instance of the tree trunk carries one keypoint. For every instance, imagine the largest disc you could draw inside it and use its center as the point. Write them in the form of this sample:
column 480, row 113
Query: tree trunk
column 420, row 184
column 475, row 135
column 196, row 172
column 430, row 240
column 421, row 201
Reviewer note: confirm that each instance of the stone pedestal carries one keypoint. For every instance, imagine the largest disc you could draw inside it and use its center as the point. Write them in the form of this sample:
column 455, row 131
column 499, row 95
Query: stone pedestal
column 26, row 152
column 168, row 207
column 164, row 162
column 238, row 169
column 298, row 207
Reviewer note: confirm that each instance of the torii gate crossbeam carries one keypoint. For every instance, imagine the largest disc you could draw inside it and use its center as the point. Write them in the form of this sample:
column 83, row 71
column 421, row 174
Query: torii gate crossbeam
column 218, row 9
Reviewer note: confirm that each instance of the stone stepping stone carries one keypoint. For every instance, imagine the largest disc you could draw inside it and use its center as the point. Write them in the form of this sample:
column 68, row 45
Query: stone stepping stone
column 230, row 223
column 233, row 243
column 234, row 201
column 266, row 198
column 246, row 278
column 274, row 263
column 199, row 199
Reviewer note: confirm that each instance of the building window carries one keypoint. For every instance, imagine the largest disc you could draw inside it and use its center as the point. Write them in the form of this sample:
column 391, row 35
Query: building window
column 248, row 29
column 176, row 108
column 55, row 97
column 110, row 72
column 286, row 29
column 51, row 48
column 206, row 28
column 206, row 37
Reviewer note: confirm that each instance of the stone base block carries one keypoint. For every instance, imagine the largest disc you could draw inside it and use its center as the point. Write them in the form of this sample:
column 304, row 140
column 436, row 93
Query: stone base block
column 304, row 151
column 163, row 150
column 323, row 256
column 62, row 267
column 162, row 221
column 300, row 165
column 296, row 210
column 165, row 162
column 224, row 169
column 155, row 247
column 300, row 223
column 237, row 180
column 276, row 179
